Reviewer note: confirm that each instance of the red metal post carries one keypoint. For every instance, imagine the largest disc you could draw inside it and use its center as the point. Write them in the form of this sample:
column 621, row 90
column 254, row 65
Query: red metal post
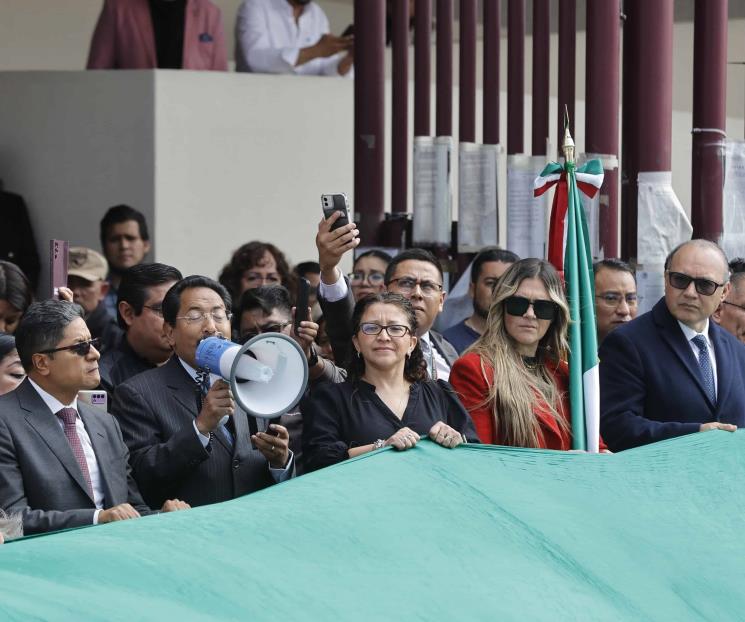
column 647, row 102
column 567, row 54
column 601, row 116
column 467, row 59
column 399, row 106
column 422, row 66
column 369, row 113
column 491, row 72
column 444, row 110
column 515, row 75
column 709, row 117
column 541, row 66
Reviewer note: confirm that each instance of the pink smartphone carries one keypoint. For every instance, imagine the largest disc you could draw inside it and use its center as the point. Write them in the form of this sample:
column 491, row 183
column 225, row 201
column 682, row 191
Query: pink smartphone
column 58, row 257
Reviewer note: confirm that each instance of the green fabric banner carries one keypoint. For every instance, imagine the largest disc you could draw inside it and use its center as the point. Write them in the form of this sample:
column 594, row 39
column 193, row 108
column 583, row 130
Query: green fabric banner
column 475, row 533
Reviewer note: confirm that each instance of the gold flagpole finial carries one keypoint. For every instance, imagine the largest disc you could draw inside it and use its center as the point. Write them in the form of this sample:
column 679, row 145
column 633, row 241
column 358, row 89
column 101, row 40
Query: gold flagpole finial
column 568, row 146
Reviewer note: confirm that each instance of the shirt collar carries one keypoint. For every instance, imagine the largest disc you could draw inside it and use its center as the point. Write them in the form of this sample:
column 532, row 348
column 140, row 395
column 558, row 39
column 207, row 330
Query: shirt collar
column 193, row 372
column 52, row 402
column 689, row 333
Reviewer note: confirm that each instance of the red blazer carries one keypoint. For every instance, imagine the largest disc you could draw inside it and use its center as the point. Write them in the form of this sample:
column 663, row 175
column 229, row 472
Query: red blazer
column 124, row 37
column 472, row 388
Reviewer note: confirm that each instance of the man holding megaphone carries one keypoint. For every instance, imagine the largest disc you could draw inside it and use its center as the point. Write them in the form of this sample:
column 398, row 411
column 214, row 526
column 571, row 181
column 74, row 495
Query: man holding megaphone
column 183, row 428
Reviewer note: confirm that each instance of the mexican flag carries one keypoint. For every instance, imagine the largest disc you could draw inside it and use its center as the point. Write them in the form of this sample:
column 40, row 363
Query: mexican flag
column 569, row 251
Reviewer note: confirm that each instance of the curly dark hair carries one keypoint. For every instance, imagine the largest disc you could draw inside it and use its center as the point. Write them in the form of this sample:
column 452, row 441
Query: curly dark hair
column 416, row 367
column 248, row 256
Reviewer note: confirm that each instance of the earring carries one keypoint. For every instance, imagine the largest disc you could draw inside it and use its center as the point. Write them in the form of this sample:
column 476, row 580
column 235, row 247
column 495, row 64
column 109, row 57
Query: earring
column 359, row 354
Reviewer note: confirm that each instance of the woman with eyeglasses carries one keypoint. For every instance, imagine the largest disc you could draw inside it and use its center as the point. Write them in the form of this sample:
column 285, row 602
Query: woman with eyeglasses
column 387, row 399
column 256, row 264
column 368, row 273
column 514, row 379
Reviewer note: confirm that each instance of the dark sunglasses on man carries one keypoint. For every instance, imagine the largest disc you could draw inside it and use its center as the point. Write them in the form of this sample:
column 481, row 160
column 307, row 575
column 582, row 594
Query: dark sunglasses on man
column 705, row 287
column 543, row 309
column 81, row 348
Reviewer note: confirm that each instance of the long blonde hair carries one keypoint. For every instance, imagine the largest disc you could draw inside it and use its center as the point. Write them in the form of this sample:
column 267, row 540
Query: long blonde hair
column 515, row 390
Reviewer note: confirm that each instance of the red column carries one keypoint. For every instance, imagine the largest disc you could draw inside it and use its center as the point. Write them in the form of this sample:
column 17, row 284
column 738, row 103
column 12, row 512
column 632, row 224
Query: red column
column 541, row 66
column 709, row 117
column 399, row 106
column 567, row 53
column 444, row 111
column 369, row 106
column 601, row 116
column 422, row 66
column 491, row 72
column 515, row 75
column 647, row 102
column 467, row 59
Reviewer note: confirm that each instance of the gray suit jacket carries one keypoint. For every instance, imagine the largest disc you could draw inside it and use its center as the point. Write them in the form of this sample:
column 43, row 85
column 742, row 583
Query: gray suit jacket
column 156, row 410
column 39, row 476
column 338, row 316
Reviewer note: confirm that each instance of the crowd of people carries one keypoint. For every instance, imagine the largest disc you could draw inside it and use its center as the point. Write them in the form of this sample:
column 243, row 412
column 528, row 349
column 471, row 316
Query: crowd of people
column 379, row 374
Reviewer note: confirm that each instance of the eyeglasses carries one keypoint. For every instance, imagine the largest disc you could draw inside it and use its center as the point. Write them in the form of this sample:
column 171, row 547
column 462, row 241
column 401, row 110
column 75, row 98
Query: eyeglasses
column 407, row 285
column 373, row 278
column 82, row 348
column 705, row 287
column 157, row 309
column 732, row 304
column 267, row 328
column 393, row 330
column 194, row 317
column 543, row 309
column 612, row 299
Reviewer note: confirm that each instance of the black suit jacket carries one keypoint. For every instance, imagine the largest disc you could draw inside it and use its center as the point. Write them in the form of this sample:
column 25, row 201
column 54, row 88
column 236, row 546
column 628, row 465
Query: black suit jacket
column 17, row 243
column 119, row 365
column 39, row 476
column 338, row 316
column 651, row 387
column 156, row 410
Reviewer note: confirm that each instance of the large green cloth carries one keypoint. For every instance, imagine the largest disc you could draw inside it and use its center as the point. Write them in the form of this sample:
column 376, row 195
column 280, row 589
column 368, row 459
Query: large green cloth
column 475, row 533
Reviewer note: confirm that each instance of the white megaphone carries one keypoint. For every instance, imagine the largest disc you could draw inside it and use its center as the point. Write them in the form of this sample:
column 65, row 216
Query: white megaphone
column 267, row 375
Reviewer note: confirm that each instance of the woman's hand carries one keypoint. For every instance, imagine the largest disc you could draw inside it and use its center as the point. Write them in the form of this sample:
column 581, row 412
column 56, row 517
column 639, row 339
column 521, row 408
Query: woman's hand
column 405, row 438
column 442, row 434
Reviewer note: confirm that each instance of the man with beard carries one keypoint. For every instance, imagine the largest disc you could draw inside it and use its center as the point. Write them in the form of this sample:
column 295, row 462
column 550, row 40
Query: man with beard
column 292, row 36
column 490, row 264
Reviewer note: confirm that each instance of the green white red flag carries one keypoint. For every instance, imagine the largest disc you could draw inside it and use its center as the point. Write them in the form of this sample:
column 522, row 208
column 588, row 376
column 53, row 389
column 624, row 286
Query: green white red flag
column 569, row 251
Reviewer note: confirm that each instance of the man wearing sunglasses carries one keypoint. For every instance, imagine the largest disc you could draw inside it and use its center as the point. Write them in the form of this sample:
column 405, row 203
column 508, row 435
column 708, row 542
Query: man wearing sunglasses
column 171, row 416
column 62, row 463
column 730, row 314
column 671, row 371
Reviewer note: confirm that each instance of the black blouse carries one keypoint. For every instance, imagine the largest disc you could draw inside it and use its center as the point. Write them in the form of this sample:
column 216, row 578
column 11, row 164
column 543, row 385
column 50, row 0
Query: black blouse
column 350, row 414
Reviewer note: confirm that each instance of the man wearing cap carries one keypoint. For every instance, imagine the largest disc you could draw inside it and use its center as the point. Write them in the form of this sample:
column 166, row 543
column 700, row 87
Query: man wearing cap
column 86, row 277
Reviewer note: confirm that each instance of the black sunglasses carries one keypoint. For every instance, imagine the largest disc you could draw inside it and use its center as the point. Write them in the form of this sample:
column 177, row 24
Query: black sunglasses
column 543, row 309
column 81, row 349
column 705, row 287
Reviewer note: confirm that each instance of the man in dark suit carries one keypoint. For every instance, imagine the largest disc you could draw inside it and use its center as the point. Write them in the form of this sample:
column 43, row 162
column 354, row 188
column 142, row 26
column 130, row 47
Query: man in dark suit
column 671, row 371
column 415, row 273
column 62, row 463
column 140, row 314
column 174, row 432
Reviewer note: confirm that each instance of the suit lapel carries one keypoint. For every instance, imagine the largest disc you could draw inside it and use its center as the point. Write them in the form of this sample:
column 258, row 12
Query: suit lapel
column 144, row 21
column 724, row 372
column 45, row 423
column 673, row 336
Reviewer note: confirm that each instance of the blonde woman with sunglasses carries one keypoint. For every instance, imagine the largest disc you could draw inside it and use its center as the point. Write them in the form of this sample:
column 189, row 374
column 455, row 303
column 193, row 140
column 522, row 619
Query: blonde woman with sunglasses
column 513, row 380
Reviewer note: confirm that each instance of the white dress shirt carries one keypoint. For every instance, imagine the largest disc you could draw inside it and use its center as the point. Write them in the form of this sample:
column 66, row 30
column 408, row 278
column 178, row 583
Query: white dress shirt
column 268, row 40
column 90, row 456
column 279, row 475
column 689, row 335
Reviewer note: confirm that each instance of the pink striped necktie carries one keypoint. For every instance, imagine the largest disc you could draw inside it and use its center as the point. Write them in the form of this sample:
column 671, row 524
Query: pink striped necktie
column 69, row 417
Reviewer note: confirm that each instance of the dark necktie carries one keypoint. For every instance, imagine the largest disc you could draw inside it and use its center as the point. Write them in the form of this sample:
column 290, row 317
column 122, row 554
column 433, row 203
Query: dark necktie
column 204, row 382
column 429, row 357
column 704, row 363
column 69, row 416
